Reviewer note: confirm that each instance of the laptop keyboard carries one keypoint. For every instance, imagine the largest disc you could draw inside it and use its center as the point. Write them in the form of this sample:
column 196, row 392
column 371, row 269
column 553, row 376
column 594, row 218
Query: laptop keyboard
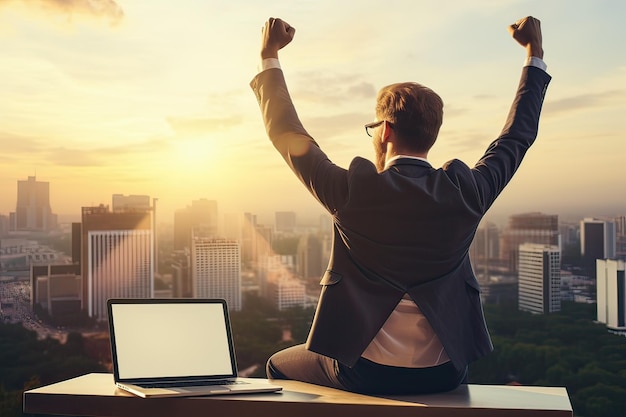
column 192, row 383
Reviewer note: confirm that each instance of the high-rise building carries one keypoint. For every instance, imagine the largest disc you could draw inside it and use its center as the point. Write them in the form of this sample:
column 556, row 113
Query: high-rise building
column 32, row 211
column 181, row 274
column 620, row 237
column 117, row 257
column 130, row 203
column 285, row 222
column 539, row 282
column 4, row 225
column 611, row 294
column 597, row 241
column 200, row 218
column 216, row 270
column 263, row 241
column 310, row 261
column 485, row 251
column 528, row 228
column 486, row 244
column 256, row 239
column 56, row 288
column 248, row 238
column 569, row 233
column 278, row 283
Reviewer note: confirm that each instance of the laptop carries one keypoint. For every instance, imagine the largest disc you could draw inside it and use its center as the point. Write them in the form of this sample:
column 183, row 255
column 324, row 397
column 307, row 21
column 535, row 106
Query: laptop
column 175, row 348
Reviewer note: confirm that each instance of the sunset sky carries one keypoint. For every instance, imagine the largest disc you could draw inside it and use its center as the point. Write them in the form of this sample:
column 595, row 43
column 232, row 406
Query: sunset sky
column 151, row 96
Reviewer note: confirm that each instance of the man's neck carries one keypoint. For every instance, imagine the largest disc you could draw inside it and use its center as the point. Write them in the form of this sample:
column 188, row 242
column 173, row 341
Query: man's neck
column 390, row 160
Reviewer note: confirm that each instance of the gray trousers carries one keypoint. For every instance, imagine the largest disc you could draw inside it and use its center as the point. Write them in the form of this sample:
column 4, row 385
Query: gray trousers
column 366, row 377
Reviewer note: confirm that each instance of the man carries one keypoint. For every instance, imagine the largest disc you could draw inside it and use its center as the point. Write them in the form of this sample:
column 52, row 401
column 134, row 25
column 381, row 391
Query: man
column 399, row 310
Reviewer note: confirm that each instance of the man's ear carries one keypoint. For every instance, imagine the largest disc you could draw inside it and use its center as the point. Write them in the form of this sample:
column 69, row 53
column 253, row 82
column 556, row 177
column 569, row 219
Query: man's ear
column 386, row 133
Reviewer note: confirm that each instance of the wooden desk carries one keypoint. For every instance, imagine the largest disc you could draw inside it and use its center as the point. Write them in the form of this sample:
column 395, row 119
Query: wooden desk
column 96, row 395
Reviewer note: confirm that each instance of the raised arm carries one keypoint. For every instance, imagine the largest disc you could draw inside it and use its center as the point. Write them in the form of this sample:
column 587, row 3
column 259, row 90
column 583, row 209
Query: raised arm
column 284, row 127
column 503, row 157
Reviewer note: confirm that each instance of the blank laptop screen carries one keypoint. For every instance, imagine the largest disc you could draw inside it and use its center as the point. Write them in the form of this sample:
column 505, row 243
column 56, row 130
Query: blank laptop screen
column 171, row 340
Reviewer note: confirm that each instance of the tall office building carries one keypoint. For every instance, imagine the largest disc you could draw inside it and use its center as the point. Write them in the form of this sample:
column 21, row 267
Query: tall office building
column 310, row 260
column 285, row 222
column 4, row 225
column 181, row 274
column 256, row 239
column 485, row 251
column 597, row 241
column 620, row 237
column 278, row 283
column 200, row 218
column 216, row 270
column 56, row 288
column 32, row 211
column 127, row 203
column 528, row 228
column 539, row 284
column 611, row 294
column 117, row 257
column 248, row 238
column 486, row 244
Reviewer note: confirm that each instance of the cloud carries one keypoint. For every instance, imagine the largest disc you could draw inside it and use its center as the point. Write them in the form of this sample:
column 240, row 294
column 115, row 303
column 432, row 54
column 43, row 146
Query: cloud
column 580, row 102
column 462, row 141
column 332, row 88
column 102, row 9
column 198, row 126
column 39, row 152
column 325, row 127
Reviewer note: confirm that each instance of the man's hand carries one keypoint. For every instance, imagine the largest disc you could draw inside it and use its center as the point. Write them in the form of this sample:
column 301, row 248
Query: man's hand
column 527, row 32
column 276, row 34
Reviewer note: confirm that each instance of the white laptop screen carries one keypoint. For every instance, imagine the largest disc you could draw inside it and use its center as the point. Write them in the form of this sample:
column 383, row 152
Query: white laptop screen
column 155, row 340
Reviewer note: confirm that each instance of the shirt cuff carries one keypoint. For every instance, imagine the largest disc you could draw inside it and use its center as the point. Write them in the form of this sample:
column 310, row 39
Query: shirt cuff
column 268, row 63
column 533, row 61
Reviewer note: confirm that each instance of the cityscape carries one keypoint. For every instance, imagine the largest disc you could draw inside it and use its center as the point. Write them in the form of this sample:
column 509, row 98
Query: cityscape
column 126, row 251
column 55, row 278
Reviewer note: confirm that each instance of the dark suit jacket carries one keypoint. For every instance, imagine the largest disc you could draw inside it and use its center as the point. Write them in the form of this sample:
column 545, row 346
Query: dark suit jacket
column 405, row 230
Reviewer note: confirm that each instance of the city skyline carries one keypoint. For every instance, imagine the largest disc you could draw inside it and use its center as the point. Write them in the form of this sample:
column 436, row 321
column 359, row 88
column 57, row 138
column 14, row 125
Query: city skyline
column 152, row 98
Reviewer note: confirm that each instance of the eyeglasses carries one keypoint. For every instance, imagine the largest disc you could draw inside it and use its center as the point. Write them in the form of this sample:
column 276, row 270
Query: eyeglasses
column 371, row 126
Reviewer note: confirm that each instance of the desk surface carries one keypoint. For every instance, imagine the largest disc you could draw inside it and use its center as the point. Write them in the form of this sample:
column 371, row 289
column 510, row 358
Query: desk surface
column 96, row 395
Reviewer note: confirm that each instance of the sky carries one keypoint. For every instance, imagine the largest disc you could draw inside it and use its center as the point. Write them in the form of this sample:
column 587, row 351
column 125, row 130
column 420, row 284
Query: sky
column 152, row 97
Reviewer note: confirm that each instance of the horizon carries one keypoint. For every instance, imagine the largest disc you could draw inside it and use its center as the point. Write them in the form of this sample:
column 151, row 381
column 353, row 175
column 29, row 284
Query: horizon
column 152, row 98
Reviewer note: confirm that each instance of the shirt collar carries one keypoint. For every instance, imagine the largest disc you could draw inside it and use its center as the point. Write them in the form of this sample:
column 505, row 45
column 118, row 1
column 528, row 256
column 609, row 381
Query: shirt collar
column 395, row 158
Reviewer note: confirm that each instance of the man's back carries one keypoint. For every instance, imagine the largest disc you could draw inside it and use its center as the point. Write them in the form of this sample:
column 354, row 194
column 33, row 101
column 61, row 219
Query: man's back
column 401, row 228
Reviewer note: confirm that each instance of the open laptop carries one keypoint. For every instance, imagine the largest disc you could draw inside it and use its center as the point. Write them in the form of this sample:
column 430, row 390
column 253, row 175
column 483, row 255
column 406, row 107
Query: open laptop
column 175, row 348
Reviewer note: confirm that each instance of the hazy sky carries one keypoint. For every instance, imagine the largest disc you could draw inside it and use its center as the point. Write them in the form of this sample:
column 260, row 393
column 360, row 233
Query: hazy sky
column 151, row 96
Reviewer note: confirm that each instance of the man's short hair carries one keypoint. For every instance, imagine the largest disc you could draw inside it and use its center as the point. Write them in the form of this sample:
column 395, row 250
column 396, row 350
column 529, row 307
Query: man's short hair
column 415, row 111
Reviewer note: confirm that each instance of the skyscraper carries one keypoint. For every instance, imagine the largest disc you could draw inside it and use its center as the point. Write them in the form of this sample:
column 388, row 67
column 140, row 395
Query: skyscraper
column 597, row 240
column 216, row 270
column 620, row 237
column 256, row 239
column 285, row 221
column 611, row 294
column 528, row 228
column 279, row 285
column 539, row 272
column 130, row 202
column 117, row 257
column 248, row 238
column 200, row 218
column 32, row 211
column 310, row 261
